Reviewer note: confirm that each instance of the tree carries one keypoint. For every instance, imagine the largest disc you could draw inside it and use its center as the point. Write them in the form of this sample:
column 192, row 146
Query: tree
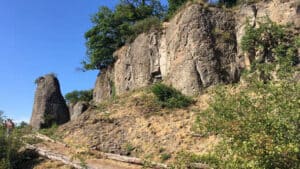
column 113, row 28
column 75, row 96
column 228, row 2
column 174, row 5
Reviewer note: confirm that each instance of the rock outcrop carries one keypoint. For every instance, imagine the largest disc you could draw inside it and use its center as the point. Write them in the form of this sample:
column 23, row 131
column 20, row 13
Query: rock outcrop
column 195, row 50
column 280, row 11
column 76, row 109
column 104, row 85
column 199, row 47
column 49, row 104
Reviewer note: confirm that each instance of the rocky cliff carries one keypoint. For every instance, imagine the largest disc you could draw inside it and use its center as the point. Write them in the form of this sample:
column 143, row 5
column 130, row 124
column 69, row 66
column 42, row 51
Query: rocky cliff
column 197, row 48
column 49, row 104
column 284, row 12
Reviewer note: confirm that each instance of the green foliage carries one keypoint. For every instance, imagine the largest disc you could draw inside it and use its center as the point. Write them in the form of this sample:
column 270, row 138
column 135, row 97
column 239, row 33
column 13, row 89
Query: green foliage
column 174, row 5
column 146, row 25
column 76, row 96
column 260, row 124
column 223, row 35
column 10, row 155
column 228, row 3
column 129, row 148
column 165, row 156
column 170, row 97
column 272, row 49
column 260, row 121
column 113, row 28
column 51, row 132
column 183, row 160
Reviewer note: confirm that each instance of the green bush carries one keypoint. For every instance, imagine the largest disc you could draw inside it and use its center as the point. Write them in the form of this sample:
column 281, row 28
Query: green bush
column 165, row 156
column 259, row 122
column 260, row 125
column 76, row 96
column 272, row 49
column 174, row 5
column 170, row 97
column 10, row 155
column 145, row 25
column 51, row 132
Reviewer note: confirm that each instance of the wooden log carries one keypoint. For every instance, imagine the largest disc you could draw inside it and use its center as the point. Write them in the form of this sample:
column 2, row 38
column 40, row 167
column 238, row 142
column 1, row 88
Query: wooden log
column 55, row 156
column 132, row 160
column 110, row 156
column 199, row 166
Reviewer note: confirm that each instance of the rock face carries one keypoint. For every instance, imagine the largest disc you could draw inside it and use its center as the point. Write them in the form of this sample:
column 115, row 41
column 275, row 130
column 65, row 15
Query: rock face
column 197, row 48
column 280, row 11
column 49, row 105
column 104, row 85
column 77, row 109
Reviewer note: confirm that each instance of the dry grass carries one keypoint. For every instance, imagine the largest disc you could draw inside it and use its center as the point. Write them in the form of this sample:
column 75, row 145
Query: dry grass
column 147, row 128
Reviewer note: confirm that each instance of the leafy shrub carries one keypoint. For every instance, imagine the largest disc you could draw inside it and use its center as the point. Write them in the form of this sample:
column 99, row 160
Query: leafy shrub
column 260, row 121
column 260, row 125
column 76, row 96
column 165, row 156
column 51, row 132
column 272, row 48
column 10, row 155
column 183, row 160
column 170, row 97
column 174, row 5
column 145, row 25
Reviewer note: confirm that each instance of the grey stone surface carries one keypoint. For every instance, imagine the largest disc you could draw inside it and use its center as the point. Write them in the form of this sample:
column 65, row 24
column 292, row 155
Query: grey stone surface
column 77, row 109
column 199, row 47
column 49, row 104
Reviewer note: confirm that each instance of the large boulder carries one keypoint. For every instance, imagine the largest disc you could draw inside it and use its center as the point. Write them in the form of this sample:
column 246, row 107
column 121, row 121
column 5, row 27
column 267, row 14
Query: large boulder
column 49, row 104
column 76, row 109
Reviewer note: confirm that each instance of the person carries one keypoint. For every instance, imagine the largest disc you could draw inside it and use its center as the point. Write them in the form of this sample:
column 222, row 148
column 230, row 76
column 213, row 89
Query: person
column 9, row 124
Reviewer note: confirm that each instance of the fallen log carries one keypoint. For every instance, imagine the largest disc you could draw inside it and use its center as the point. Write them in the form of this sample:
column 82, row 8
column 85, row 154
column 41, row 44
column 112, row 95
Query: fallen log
column 55, row 156
column 132, row 160
column 110, row 156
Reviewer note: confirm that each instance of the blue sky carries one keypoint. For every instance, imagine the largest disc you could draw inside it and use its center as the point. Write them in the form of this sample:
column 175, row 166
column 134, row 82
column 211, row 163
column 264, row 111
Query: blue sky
column 39, row 37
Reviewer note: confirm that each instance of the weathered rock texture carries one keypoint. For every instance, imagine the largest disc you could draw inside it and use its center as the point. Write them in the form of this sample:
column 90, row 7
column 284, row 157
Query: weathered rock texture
column 198, row 48
column 76, row 109
column 195, row 50
column 49, row 105
column 104, row 85
column 280, row 11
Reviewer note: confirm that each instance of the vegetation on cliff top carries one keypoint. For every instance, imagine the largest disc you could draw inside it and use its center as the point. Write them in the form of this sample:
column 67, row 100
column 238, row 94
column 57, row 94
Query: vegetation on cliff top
column 76, row 96
column 114, row 28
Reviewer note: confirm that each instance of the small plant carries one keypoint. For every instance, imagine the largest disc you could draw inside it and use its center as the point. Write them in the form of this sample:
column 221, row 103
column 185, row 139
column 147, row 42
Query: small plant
column 183, row 160
column 51, row 132
column 170, row 97
column 129, row 148
column 222, row 35
column 165, row 156
column 144, row 26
